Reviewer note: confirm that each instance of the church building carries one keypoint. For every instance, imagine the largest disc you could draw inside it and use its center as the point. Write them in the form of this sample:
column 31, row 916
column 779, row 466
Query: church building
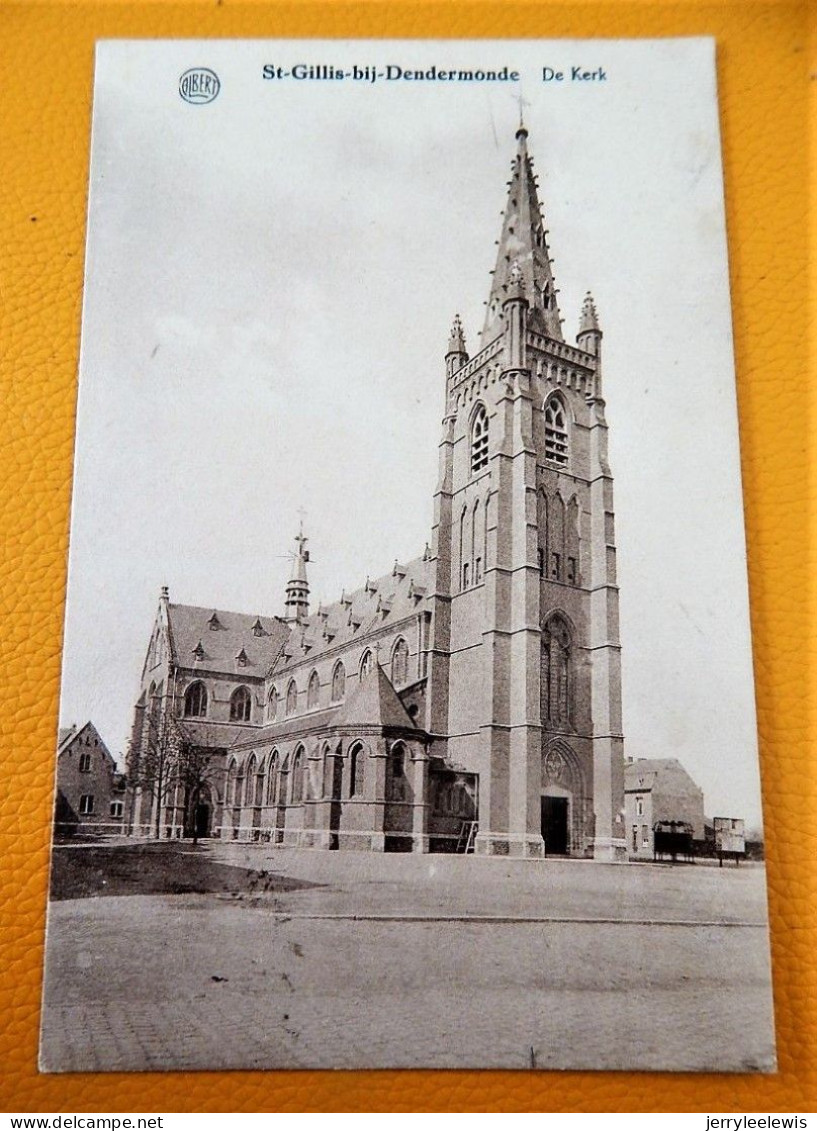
column 470, row 700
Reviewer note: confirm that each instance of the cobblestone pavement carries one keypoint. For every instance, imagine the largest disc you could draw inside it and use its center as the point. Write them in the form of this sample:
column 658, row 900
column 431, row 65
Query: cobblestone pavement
column 186, row 982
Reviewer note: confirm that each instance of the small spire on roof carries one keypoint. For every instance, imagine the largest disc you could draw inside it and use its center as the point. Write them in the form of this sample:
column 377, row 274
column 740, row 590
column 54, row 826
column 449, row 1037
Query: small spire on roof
column 297, row 591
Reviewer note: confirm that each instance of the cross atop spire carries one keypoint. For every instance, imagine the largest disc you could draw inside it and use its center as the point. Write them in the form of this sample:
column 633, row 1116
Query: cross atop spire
column 523, row 243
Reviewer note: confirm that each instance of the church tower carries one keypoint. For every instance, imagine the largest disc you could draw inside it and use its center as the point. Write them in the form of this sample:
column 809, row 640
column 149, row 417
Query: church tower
column 524, row 656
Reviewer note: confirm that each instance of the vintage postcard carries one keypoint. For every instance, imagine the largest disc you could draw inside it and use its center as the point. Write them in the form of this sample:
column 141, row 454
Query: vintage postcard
column 407, row 708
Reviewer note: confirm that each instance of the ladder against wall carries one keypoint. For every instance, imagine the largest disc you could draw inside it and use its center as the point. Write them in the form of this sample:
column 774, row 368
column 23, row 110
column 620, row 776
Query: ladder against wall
column 465, row 842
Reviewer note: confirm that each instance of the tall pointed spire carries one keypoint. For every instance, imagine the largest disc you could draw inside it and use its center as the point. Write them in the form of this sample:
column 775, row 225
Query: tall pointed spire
column 297, row 599
column 523, row 242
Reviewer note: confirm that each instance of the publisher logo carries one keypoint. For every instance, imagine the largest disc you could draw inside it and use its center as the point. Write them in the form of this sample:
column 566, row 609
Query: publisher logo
column 199, row 85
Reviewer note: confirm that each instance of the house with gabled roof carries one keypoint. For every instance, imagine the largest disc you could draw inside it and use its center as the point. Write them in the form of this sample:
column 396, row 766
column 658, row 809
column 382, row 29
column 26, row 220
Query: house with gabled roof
column 90, row 788
column 471, row 697
column 659, row 790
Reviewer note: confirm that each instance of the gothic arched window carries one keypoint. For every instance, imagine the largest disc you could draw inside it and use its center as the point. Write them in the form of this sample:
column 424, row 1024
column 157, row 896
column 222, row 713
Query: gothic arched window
column 556, row 432
column 259, row 784
column 249, row 780
column 357, row 763
column 556, row 681
column 338, row 682
column 395, row 783
column 195, row 701
column 366, row 664
column 229, row 787
column 479, row 440
column 313, row 691
column 272, row 703
column 272, row 780
column 240, row 705
column 297, row 792
column 399, row 663
column 292, row 698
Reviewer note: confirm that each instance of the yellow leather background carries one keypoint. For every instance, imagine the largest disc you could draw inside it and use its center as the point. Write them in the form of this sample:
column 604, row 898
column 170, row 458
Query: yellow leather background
column 45, row 89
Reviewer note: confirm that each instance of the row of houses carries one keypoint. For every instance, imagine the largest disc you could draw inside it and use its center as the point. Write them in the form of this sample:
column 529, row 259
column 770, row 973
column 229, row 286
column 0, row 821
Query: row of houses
column 92, row 796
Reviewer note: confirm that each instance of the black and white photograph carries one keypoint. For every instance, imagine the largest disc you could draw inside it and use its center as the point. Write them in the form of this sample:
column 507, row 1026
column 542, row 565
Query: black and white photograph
column 407, row 714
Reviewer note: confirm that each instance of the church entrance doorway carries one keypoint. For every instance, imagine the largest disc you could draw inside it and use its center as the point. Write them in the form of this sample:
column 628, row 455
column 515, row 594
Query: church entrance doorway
column 555, row 825
column 203, row 818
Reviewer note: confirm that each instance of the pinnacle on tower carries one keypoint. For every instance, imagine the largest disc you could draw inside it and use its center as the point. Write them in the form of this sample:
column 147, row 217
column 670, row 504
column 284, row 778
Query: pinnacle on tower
column 523, row 243
column 456, row 355
column 589, row 335
column 589, row 318
column 296, row 606
column 456, row 339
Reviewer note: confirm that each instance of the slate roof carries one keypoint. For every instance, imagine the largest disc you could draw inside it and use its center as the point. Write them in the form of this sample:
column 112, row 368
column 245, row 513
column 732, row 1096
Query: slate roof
column 642, row 772
column 65, row 732
column 206, row 732
column 269, row 642
column 374, row 701
column 223, row 638
column 289, row 728
column 67, row 735
column 383, row 601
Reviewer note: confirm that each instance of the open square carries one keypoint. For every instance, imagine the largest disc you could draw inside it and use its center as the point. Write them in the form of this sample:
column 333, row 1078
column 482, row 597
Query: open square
column 407, row 961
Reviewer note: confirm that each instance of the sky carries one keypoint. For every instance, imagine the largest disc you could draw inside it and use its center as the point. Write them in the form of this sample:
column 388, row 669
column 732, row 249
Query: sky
column 270, row 282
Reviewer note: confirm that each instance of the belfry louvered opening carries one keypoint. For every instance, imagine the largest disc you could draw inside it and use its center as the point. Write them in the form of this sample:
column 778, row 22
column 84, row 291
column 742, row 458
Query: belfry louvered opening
column 555, row 433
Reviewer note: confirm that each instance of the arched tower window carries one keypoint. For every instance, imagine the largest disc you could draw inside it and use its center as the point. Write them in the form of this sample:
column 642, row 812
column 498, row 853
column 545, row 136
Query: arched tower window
column 556, row 679
column 464, row 570
column 399, row 663
column 240, row 705
column 313, row 691
column 366, row 664
column 292, row 698
column 195, row 701
column 479, row 440
column 477, row 540
column 357, row 764
column 556, row 449
column 272, row 703
column 338, row 682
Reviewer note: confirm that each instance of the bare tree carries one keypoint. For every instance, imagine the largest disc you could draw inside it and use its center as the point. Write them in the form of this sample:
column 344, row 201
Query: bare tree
column 195, row 769
column 151, row 768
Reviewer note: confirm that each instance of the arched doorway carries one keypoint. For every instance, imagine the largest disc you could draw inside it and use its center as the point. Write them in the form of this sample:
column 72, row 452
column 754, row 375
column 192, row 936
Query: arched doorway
column 562, row 801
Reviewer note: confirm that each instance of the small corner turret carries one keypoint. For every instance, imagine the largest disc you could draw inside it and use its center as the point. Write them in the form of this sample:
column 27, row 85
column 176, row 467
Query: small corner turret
column 456, row 355
column 589, row 335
